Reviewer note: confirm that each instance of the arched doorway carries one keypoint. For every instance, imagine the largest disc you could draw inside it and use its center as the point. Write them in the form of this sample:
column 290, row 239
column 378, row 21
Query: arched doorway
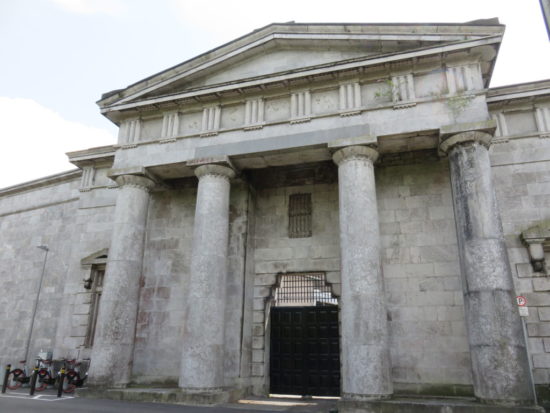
column 305, row 342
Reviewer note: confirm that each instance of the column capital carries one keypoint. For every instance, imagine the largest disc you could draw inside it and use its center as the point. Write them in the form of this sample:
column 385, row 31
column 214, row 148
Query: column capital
column 481, row 132
column 216, row 170
column 353, row 153
column 463, row 137
column 137, row 181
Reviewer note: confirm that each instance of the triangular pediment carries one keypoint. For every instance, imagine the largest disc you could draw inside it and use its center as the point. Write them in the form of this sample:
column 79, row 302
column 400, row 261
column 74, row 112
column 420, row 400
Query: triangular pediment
column 290, row 48
column 98, row 257
column 281, row 57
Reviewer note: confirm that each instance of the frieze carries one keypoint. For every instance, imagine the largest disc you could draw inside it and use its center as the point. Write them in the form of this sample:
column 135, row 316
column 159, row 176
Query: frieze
column 346, row 99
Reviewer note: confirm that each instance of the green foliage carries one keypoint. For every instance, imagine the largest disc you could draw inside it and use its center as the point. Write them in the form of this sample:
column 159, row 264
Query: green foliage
column 457, row 104
column 386, row 92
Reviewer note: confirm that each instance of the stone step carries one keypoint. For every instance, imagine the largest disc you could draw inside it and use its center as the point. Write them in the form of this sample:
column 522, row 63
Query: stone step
column 161, row 395
column 430, row 405
column 227, row 398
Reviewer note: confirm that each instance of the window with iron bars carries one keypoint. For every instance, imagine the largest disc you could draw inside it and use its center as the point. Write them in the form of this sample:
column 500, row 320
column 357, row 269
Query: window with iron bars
column 299, row 216
column 304, row 289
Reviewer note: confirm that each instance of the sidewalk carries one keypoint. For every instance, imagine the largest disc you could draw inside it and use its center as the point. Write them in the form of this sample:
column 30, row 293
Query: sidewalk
column 170, row 395
column 294, row 405
column 47, row 402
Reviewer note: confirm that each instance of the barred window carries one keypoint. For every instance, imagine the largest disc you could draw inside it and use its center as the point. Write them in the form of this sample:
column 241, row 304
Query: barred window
column 98, row 273
column 306, row 289
column 299, row 216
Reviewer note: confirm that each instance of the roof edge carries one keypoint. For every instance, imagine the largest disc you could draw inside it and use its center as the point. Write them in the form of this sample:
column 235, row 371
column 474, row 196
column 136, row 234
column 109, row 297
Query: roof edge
column 41, row 182
column 91, row 156
column 517, row 90
column 329, row 67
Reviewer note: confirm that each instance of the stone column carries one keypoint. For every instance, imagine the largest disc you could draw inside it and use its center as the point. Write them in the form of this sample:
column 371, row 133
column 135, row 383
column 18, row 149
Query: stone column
column 203, row 324
column 365, row 347
column 111, row 361
column 498, row 351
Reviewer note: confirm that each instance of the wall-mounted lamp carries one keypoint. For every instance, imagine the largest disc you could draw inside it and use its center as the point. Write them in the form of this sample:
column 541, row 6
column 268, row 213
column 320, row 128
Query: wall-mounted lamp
column 87, row 283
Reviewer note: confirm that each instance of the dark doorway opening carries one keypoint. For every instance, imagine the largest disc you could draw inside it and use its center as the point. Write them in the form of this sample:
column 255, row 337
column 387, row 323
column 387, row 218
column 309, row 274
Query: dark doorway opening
column 305, row 342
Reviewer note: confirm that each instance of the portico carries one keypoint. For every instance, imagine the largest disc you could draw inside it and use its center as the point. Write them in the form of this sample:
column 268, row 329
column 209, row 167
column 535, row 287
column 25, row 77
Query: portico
column 380, row 142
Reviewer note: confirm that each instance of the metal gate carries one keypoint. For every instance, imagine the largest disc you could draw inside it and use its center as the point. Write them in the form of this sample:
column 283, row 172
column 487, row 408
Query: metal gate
column 305, row 351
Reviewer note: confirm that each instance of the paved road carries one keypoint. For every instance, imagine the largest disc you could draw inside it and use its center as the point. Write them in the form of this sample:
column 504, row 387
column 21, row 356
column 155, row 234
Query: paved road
column 47, row 402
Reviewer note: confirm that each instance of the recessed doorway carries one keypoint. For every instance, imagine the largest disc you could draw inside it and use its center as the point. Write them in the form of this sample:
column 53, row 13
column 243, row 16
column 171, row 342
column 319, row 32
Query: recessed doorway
column 305, row 342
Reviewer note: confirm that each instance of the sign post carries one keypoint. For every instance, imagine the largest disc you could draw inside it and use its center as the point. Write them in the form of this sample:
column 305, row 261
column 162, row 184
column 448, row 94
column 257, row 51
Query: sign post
column 522, row 306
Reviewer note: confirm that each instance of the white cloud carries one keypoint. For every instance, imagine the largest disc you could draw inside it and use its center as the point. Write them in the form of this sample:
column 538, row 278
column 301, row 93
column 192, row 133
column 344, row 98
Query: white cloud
column 109, row 7
column 225, row 20
column 35, row 139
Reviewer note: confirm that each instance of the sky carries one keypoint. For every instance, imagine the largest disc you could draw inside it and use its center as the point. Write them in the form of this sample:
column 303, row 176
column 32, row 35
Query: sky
column 59, row 56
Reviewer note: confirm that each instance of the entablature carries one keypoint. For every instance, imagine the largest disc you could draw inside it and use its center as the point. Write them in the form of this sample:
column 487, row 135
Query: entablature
column 521, row 111
column 260, row 94
column 94, row 163
column 393, row 106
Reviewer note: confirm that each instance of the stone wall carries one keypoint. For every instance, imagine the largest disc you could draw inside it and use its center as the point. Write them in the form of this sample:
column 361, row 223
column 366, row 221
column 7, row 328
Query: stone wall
column 166, row 261
column 165, row 270
column 92, row 226
column 429, row 345
column 420, row 264
column 73, row 223
column 521, row 172
column 40, row 215
column 276, row 253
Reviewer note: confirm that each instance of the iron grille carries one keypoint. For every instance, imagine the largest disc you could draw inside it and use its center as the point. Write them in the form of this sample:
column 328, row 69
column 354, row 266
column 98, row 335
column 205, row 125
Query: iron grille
column 308, row 289
column 299, row 216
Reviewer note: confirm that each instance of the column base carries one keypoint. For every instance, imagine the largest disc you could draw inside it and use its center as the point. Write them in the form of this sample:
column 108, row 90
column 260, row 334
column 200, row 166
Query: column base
column 429, row 405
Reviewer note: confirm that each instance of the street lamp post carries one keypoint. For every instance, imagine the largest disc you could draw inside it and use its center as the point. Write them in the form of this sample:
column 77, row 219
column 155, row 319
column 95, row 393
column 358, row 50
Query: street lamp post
column 35, row 305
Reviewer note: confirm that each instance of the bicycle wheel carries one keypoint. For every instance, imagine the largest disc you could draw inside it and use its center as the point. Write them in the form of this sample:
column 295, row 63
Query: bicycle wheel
column 43, row 380
column 15, row 379
column 71, row 379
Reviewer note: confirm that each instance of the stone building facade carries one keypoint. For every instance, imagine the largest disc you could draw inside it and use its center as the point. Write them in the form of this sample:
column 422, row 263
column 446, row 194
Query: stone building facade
column 374, row 155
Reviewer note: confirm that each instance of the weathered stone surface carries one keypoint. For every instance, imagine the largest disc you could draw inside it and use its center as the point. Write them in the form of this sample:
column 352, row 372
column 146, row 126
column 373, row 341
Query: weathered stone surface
column 537, row 299
column 419, row 405
column 365, row 342
column 544, row 314
column 114, row 339
column 279, row 143
column 538, row 329
column 205, row 296
column 164, row 395
column 542, row 284
column 497, row 346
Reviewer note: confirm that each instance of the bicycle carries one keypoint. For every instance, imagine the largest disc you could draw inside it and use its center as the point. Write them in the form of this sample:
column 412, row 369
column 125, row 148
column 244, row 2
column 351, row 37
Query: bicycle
column 46, row 375
column 72, row 377
column 19, row 376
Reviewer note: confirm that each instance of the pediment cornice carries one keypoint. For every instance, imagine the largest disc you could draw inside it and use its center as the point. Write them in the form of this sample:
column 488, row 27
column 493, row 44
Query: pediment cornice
column 483, row 50
column 432, row 39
